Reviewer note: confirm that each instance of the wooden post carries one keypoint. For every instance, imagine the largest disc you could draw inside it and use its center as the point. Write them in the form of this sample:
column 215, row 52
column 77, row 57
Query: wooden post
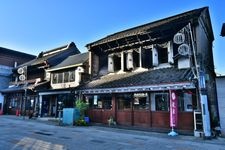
column 114, row 109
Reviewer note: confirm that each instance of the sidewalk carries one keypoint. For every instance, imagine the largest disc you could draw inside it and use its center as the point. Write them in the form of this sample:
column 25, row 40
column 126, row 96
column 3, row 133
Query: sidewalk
column 121, row 129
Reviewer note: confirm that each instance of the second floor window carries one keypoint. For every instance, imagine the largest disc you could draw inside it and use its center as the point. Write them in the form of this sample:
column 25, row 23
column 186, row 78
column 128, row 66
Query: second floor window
column 63, row 77
column 66, row 77
column 72, row 76
column 60, row 78
column 54, row 78
column 162, row 55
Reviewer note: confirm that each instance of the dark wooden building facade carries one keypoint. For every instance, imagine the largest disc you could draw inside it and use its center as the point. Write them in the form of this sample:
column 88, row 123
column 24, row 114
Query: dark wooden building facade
column 8, row 60
column 65, row 77
column 134, row 70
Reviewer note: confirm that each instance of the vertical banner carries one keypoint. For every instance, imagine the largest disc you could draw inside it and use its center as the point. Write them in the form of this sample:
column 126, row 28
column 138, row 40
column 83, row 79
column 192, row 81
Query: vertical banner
column 173, row 108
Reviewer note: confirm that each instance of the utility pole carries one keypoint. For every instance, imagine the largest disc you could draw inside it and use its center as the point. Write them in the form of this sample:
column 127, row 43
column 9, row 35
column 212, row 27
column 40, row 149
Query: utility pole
column 202, row 94
column 22, row 71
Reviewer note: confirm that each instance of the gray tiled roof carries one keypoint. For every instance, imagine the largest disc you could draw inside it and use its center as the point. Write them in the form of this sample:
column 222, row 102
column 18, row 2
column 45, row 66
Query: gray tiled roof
column 54, row 58
column 150, row 77
column 71, row 61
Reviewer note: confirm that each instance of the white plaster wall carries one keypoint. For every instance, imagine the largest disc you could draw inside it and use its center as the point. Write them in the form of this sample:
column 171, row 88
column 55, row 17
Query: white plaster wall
column 184, row 63
column 220, row 85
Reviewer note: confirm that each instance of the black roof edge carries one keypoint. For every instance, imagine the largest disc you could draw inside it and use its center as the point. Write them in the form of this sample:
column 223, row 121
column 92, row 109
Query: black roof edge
column 18, row 52
column 198, row 9
column 60, row 47
column 223, row 30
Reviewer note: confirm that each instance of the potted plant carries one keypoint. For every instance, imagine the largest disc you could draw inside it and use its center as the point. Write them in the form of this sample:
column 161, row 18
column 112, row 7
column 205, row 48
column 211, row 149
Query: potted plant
column 82, row 107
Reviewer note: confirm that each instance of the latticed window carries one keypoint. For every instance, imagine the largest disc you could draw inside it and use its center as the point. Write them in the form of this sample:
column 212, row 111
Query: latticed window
column 66, row 77
column 54, row 78
column 60, row 78
column 72, row 76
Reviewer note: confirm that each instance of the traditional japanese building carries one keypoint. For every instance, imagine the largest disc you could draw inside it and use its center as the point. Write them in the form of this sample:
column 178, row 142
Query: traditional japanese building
column 65, row 77
column 8, row 60
column 21, row 95
column 133, row 72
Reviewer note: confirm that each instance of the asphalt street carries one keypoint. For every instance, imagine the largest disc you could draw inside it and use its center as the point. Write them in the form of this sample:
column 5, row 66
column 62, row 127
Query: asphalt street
column 19, row 134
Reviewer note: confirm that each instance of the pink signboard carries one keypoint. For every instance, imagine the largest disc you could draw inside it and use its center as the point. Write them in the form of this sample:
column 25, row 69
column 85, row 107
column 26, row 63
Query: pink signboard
column 173, row 108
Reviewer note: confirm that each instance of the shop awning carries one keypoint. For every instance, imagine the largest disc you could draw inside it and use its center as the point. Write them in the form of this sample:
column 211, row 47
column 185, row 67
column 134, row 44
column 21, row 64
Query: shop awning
column 151, row 80
column 22, row 87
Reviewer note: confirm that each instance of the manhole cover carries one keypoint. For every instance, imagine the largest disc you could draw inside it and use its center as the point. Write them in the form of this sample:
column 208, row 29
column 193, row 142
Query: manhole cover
column 77, row 131
column 42, row 133
column 64, row 137
column 97, row 141
column 138, row 138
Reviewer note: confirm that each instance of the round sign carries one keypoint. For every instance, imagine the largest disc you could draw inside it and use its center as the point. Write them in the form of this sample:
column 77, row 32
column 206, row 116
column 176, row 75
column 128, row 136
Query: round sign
column 20, row 70
column 183, row 49
column 22, row 77
column 179, row 38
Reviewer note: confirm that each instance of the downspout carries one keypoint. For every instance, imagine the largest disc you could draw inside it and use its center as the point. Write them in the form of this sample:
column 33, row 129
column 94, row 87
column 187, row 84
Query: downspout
column 202, row 96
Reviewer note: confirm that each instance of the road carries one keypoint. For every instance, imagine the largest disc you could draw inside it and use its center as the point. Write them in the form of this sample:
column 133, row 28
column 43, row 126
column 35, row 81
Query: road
column 19, row 134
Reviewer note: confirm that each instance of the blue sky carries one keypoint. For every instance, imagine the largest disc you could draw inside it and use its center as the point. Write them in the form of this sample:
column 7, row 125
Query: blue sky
column 33, row 26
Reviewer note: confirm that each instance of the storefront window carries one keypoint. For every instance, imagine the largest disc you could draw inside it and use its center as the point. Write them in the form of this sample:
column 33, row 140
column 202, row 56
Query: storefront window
column 185, row 102
column 100, row 101
column 124, row 101
column 161, row 102
column 13, row 103
column 141, row 101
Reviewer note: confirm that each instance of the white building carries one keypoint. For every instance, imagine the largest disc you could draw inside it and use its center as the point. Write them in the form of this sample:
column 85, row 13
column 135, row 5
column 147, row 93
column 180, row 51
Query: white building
column 220, row 85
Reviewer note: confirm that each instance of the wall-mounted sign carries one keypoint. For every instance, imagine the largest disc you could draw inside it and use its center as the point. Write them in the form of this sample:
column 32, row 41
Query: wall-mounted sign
column 22, row 77
column 20, row 70
column 183, row 49
column 179, row 38
column 140, row 94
